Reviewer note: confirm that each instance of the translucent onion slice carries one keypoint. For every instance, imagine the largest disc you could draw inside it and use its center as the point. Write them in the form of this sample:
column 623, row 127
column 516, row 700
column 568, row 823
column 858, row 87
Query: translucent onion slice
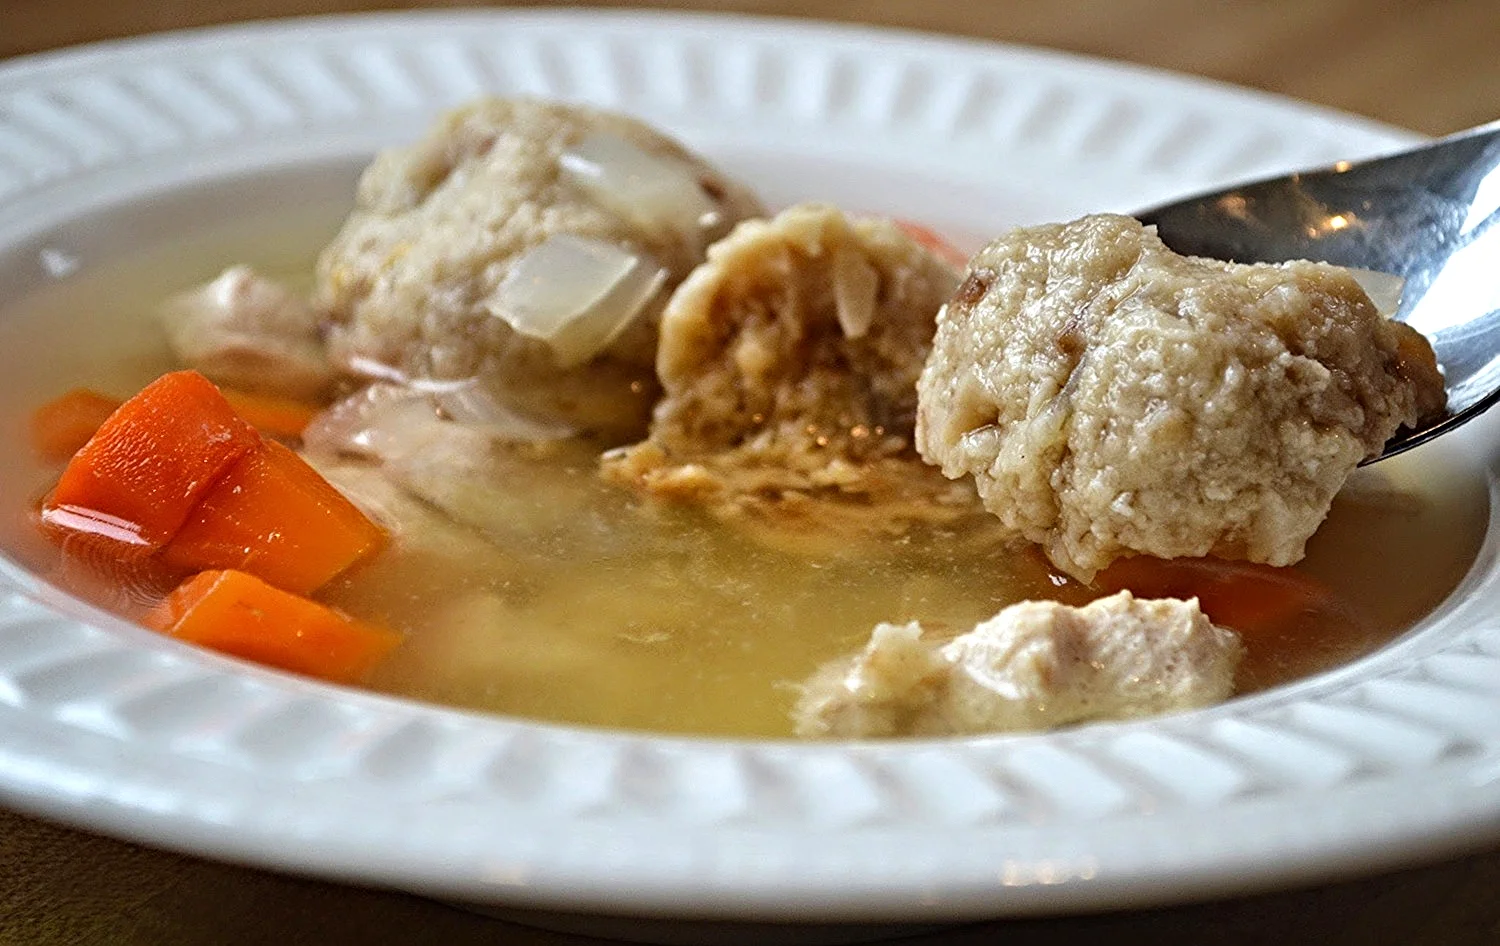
column 362, row 366
column 575, row 294
column 656, row 191
column 855, row 287
column 1384, row 289
column 476, row 405
column 381, row 422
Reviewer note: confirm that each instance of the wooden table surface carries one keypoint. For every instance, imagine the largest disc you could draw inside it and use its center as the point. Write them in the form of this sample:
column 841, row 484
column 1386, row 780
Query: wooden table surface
column 1429, row 65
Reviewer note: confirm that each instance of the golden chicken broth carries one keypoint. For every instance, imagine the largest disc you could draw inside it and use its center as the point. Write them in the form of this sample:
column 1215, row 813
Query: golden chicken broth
column 564, row 598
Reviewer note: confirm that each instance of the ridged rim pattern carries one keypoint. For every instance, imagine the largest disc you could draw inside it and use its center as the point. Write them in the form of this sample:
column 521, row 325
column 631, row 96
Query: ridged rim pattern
column 112, row 727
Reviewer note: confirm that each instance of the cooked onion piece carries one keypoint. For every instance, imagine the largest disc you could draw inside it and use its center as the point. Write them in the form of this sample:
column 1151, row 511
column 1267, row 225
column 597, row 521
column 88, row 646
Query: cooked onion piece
column 361, row 366
column 856, row 286
column 1384, row 289
column 381, row 422
column 656, row 191
column 476, row 405
column 1416, row 357
column 575, row 294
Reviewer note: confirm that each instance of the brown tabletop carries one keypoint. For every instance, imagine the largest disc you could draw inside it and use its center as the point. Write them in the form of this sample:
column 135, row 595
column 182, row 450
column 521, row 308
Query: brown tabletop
column 1428, row 65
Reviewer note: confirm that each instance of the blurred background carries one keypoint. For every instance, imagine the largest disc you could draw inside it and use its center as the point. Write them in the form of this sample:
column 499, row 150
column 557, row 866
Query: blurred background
column 1427, row 65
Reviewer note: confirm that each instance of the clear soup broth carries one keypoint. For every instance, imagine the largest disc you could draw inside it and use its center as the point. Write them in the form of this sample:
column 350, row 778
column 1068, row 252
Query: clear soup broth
column 562, row 598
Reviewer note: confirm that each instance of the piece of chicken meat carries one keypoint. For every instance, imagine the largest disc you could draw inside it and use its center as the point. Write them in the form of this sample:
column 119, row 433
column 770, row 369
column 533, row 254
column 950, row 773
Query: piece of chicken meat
column 244, row 331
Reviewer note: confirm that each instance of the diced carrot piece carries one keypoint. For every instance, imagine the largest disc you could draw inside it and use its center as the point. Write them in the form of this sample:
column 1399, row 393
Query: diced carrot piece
column 276, row 517
column 1243, row 596
column 940, row 247
column 63, row 425
column 152, row 460
column 274, row 416
column 238, row 614
column 103, row 564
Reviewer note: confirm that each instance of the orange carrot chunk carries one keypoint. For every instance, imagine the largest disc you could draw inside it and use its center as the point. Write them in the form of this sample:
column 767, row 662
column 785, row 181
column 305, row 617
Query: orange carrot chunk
column 236, row 613
column 151, row 461
column 104, row 567
column 274, row 416
column 1244, row 596
column 276, row 517
column 64, row 424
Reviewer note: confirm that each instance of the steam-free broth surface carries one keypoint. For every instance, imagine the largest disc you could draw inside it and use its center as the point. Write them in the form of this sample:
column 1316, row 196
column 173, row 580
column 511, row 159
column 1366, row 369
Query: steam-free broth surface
column 565, row 598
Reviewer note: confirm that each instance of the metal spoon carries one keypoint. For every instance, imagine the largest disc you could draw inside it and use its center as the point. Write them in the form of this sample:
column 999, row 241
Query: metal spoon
column 1430, row 215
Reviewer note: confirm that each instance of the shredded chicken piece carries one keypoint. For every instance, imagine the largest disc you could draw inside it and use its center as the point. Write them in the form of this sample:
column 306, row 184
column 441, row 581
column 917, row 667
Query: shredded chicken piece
column 1035, row 665
column 245, row 331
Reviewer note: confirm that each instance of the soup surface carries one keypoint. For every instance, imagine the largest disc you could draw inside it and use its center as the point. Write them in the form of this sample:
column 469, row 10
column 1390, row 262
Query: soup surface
column 541, row 591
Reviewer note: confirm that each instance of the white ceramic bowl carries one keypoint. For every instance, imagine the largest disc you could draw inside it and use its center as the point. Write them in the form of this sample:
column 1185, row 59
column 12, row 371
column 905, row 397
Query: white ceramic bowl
column 111, row 727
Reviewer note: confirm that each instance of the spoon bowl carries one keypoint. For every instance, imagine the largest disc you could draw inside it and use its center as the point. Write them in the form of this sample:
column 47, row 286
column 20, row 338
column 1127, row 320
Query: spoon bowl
column 1430, row 215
